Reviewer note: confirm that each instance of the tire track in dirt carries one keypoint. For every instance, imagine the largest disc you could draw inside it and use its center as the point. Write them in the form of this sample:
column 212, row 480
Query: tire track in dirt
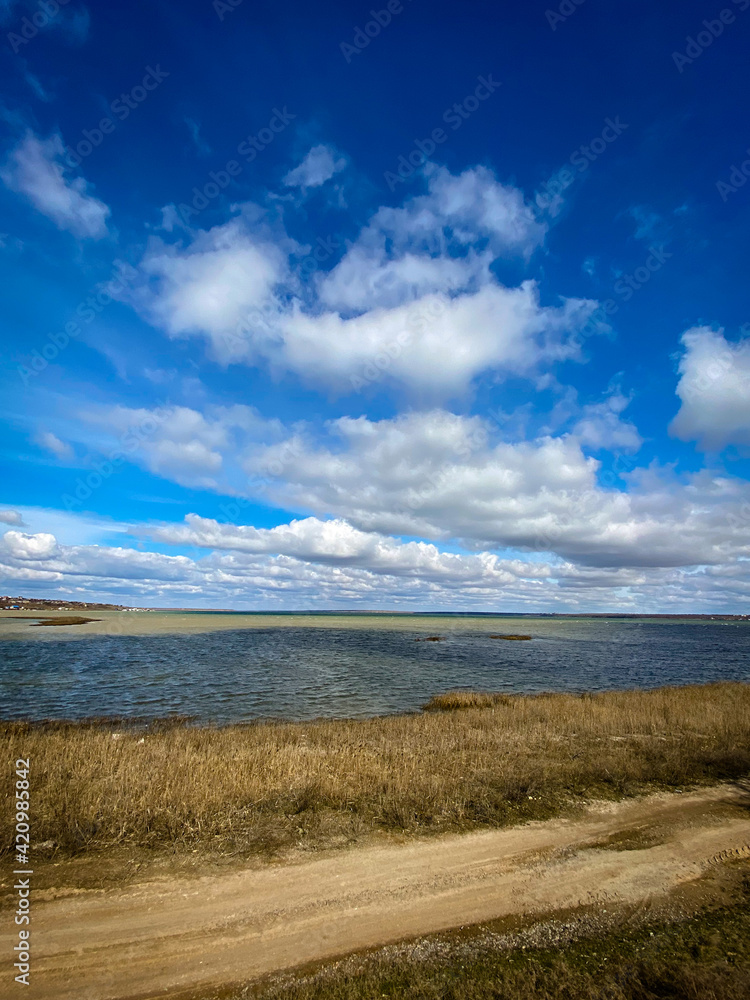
column 164, row 938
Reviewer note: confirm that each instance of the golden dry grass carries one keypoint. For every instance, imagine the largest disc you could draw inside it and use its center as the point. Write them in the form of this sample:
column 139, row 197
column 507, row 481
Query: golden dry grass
column 452, row 701
column 261, row 787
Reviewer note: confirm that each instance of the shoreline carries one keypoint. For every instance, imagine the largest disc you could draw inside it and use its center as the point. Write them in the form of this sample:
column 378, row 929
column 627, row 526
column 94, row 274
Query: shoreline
column 454, row 700
column 51, row 606
column 477, row 832
column 257, row 790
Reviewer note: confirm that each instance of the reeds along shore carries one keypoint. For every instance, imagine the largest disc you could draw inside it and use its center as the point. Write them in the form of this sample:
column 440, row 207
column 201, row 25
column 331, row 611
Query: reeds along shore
column 472, row 760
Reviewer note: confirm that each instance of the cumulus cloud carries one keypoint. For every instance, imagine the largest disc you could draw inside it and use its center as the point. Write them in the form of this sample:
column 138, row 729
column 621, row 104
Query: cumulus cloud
column 601, row 426
column 39, row 558
column 223, row 285
column 440, row 476
column 714, row 390
column 413, row 294
column 436, row 345
column 337, row 543
column 444, row 478
column 17, row 545
column 35, row 170
column 442, row 241
column 319, row 166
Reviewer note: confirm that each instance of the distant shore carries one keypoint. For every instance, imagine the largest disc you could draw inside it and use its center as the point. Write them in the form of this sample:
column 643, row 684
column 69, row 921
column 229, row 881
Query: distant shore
column 61, row 604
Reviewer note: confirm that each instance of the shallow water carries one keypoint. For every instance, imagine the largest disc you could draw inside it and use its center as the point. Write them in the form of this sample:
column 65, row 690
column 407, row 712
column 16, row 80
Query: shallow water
column 226, row 668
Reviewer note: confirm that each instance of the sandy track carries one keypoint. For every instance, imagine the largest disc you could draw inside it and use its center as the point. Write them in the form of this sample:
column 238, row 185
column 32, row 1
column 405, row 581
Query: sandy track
column 159, row 939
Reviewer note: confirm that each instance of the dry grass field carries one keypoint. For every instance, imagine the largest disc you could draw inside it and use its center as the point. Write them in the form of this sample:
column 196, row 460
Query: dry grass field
column 470, row 760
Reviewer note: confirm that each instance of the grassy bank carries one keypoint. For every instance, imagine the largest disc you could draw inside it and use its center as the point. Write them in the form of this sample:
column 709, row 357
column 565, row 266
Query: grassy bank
column 471, row 761
column 704, row 958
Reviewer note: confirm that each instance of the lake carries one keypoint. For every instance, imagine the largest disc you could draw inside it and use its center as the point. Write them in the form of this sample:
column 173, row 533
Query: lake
column 238, row 667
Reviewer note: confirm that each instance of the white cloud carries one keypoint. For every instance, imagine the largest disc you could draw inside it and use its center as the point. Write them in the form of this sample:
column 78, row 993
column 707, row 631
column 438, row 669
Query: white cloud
column 170, row 219
column 714, row 390
column 465, row 208
column 601, row 426
column 439, row 476
column 50, row 442
column 176, row 442
column 319, row 166
column 70, row 528
column 326, row 564
column 17, row 545
column 222, row 286
column 367, row 278
column 35, row 169
column 437, row 344
column 11, row 517
column 226, row 286
column 446, row 479
column 443, row 241
column 414, row 294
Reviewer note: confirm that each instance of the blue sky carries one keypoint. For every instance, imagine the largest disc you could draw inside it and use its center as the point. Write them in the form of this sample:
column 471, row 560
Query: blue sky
column 404, row 306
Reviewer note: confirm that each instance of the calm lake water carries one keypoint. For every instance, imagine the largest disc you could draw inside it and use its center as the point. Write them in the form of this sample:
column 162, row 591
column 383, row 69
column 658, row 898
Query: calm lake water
column 224, row 668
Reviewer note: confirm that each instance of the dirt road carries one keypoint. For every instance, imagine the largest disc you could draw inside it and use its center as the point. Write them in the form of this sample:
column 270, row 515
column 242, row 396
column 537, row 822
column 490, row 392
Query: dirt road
column 159, row 939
